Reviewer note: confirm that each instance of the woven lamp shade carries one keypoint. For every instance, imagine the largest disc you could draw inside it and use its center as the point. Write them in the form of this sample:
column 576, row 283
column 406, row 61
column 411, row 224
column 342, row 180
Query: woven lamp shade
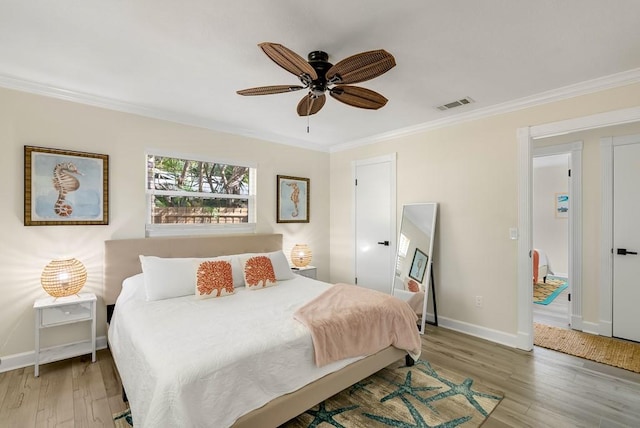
column 301, row 255
column 63, row 277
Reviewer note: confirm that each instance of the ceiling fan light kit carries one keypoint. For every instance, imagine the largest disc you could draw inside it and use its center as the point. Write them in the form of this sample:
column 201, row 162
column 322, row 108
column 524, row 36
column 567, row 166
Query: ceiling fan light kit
column 318, row 76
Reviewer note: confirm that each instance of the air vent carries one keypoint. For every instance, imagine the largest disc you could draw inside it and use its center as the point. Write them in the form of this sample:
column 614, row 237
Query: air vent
column 454, row 104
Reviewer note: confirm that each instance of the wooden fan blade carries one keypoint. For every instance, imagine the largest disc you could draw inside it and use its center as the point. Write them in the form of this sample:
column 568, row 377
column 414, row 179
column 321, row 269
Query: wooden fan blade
column 289, row 60
column 311, row 104
column 361, row 67
column 268, row 90
column 358, row 97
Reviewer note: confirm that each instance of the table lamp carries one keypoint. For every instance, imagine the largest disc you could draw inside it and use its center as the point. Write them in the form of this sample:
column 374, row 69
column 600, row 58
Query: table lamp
column 63, row 277
column 301, row 255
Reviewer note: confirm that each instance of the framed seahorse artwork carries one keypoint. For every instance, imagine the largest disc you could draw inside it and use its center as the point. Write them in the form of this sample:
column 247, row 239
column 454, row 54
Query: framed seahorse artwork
column 293, row 199
column 64, row 187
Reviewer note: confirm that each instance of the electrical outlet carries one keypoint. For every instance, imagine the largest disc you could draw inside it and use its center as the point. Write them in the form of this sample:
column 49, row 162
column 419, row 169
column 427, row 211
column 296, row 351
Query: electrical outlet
column 479, row 301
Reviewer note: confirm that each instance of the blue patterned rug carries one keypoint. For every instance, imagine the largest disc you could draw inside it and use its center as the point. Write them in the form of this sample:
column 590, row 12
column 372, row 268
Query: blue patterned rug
column 398, row 396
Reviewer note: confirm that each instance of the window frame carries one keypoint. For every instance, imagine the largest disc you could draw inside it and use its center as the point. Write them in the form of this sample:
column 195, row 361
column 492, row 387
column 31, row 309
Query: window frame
column 178, row 229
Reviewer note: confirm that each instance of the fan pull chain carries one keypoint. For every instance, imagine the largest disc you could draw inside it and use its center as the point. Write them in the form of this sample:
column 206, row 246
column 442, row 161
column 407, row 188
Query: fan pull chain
column 309, row 111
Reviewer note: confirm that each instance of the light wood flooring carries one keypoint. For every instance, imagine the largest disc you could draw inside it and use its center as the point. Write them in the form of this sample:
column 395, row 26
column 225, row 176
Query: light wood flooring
column 69, row 393
column 542, row 388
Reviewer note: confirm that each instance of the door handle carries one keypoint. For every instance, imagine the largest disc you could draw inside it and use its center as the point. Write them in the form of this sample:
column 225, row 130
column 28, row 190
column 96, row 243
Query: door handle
column 385, row 243
column 624, row 252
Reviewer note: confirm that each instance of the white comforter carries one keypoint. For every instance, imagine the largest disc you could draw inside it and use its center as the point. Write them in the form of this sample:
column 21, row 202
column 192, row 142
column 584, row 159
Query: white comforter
column 186, row 362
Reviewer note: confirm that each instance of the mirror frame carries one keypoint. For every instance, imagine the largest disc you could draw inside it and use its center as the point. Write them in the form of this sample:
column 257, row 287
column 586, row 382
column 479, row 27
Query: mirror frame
column 426, row 274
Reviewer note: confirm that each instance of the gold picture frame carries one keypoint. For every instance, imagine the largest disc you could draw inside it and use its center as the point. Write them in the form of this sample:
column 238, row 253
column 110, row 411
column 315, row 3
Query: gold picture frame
column 65, row 187
column 292, row 199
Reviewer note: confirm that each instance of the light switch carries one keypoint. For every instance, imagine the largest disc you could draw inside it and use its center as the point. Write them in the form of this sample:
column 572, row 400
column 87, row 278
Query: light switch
column 513, row 233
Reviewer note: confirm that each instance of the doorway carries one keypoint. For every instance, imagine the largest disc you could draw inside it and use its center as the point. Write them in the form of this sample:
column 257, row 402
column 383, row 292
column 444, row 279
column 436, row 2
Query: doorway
column 527, row 137
column 550, row 237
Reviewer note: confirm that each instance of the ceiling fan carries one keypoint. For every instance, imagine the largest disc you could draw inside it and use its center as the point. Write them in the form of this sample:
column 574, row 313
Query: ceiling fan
column 318, row 75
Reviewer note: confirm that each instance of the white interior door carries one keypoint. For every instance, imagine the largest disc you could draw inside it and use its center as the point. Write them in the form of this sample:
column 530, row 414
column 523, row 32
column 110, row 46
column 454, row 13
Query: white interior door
column 375, row 222
column 626, row 239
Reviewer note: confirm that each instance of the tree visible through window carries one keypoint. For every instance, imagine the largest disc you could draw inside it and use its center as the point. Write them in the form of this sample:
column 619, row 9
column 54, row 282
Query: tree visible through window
column 184, row 191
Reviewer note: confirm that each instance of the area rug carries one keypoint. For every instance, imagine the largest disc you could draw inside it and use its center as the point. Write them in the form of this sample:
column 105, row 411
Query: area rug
column 398, row 396
column 606, row 350
column 545, row 292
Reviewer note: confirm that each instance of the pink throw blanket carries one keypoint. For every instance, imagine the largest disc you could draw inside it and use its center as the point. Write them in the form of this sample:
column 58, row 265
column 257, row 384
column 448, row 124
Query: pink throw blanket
column 351, row 321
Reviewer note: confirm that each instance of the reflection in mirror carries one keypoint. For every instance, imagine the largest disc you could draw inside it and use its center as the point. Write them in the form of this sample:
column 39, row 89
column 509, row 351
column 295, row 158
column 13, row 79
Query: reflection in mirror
column 415, row 256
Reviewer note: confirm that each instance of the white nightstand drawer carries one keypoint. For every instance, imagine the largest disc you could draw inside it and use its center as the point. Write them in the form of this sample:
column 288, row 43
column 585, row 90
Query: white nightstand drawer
column 66, row 314
column 308, row 271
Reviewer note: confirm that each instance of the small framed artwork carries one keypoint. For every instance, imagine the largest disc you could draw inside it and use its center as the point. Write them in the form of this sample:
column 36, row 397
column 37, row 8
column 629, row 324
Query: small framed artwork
column 562, row 205
column 418, row 266
column 63, row 187
column 292, row 199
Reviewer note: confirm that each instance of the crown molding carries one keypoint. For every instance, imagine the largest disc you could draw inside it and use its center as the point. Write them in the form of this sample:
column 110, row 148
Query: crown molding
column 149, row 112
column 583, row 88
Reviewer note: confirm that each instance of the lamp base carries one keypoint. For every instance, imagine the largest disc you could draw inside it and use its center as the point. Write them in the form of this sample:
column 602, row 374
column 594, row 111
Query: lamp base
column 55, row 291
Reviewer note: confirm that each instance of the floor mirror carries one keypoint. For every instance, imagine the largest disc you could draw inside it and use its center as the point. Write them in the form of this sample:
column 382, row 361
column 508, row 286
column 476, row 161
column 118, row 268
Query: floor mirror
column 413, row 280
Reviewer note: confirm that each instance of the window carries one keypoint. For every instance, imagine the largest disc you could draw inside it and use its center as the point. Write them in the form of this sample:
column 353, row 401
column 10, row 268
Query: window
column 186, row 193
column 403, row 247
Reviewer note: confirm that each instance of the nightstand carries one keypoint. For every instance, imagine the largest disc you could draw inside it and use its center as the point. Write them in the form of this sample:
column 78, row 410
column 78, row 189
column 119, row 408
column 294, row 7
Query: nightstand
column 52, row 312
column 308, row 271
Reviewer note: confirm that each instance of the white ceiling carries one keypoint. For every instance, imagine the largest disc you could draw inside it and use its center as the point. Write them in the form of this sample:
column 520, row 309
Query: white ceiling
column 184, row 60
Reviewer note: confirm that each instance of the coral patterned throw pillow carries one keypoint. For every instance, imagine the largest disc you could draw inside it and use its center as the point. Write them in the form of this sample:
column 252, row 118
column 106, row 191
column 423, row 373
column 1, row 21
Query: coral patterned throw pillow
column 214, row 279
column 258, row 272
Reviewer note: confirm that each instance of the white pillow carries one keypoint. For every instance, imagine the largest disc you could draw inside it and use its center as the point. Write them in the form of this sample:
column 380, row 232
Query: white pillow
column 165, row 278
column 281, row 266
column 132, row 289
column 279, row 261
column 236, row 269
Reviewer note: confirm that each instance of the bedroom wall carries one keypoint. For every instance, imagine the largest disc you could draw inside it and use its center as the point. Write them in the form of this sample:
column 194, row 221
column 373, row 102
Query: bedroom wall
column 551, row 233
column 27, row 119
column 471, row 170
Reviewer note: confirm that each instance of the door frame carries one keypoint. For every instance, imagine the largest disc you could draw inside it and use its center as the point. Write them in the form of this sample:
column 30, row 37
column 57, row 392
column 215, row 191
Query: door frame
column 574, row 150
column 392, row 159
column 606, row 238
column 525, row 137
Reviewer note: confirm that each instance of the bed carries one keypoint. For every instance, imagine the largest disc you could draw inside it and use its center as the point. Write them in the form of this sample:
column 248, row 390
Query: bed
column 142, row 370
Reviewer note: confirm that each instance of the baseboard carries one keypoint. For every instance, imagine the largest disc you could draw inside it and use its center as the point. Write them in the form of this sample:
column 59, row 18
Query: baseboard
column 591, row 327
column 430, row 318
column 605, row 328
column 577, row 323
column 524, row 340
column 510, row 340
column 25, row 359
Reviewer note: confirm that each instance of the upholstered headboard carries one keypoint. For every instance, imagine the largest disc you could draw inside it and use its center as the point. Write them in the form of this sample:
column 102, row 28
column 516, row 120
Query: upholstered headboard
column 121, row 256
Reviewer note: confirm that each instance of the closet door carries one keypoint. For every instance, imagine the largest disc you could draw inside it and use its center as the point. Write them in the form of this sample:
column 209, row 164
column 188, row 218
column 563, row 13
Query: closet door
column 626, row 241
